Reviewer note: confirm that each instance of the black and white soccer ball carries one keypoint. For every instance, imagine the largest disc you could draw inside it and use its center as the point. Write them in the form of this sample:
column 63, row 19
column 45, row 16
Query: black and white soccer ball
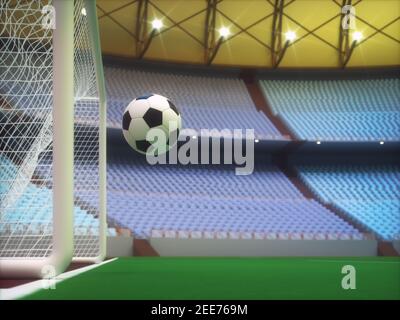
column 149, row 112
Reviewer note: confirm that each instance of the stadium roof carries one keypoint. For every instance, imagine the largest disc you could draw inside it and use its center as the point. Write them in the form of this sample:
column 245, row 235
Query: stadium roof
column 311, row 29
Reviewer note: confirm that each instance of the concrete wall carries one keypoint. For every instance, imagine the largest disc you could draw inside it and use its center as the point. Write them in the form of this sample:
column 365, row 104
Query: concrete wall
column 120, row 246
column 254, row 247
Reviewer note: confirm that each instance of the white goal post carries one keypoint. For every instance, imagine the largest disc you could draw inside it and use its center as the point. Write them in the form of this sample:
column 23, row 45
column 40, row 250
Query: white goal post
column 52, row 137
column 28, row 250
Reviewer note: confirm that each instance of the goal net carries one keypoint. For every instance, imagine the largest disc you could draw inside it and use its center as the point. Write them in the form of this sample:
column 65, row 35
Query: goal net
column 35, row 140
column 90, row 136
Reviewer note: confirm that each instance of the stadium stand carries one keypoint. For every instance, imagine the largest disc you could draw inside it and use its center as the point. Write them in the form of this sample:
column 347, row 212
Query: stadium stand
column 39, row 200
column 209, row 201
column 205, row 102
column 368, row 194
column 343, row 110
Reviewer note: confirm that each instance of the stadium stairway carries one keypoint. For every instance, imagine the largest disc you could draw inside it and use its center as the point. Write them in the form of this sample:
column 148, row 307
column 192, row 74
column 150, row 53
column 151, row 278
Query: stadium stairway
column 143, row 248
column 262, row 104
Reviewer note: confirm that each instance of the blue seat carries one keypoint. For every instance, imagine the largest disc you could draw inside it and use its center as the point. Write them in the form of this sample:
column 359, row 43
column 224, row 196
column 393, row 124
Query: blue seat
column 182, row 199
column 367, row 194
column 352, row 110
column 205, row 102
column 32, row 210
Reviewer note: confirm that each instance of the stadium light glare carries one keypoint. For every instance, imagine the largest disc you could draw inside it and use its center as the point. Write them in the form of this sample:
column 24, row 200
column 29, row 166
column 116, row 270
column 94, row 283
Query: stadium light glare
column 224, row 32
column 357, row 36
column 382, row 142
column 194, row 137
column 290, row 36
column 318, row 142
column 157, row 24
column 83, row 12
column 256, row 141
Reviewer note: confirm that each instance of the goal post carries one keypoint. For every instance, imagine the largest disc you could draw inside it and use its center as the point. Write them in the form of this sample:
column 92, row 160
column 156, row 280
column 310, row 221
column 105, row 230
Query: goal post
column 52, row 137
column 29, row 251
column 63, row 133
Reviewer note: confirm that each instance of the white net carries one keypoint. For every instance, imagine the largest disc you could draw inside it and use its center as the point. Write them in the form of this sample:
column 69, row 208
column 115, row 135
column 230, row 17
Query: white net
column 87, row 131
column 26, row 105
column 26, row 62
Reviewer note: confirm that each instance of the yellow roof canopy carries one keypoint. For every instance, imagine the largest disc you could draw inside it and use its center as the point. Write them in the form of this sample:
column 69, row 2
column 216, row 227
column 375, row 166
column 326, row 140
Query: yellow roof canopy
column 254, row 33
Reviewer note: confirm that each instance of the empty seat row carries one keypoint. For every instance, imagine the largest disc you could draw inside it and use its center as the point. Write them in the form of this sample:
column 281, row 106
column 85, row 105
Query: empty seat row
column 342, row 110
column 143, row 198
column 368, row 194
column 205, row 102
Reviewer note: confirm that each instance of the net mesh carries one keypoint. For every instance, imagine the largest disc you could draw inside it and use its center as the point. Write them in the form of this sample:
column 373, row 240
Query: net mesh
column 26, row 105
column 26, row 62
column 87, row 119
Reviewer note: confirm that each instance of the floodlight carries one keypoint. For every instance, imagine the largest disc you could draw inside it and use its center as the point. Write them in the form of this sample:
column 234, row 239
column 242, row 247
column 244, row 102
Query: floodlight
column 357, row 36
column 224, row 32
column 290, row 36
column 157, row 24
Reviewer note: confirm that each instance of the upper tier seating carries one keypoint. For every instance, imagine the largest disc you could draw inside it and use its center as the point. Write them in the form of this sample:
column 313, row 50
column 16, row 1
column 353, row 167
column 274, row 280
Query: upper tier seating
column 205, row 102
column 370, row 195
column 342, row 110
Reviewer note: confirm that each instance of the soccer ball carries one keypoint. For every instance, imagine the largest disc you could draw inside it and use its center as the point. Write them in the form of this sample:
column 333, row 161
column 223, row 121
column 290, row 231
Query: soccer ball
column 149, row 112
